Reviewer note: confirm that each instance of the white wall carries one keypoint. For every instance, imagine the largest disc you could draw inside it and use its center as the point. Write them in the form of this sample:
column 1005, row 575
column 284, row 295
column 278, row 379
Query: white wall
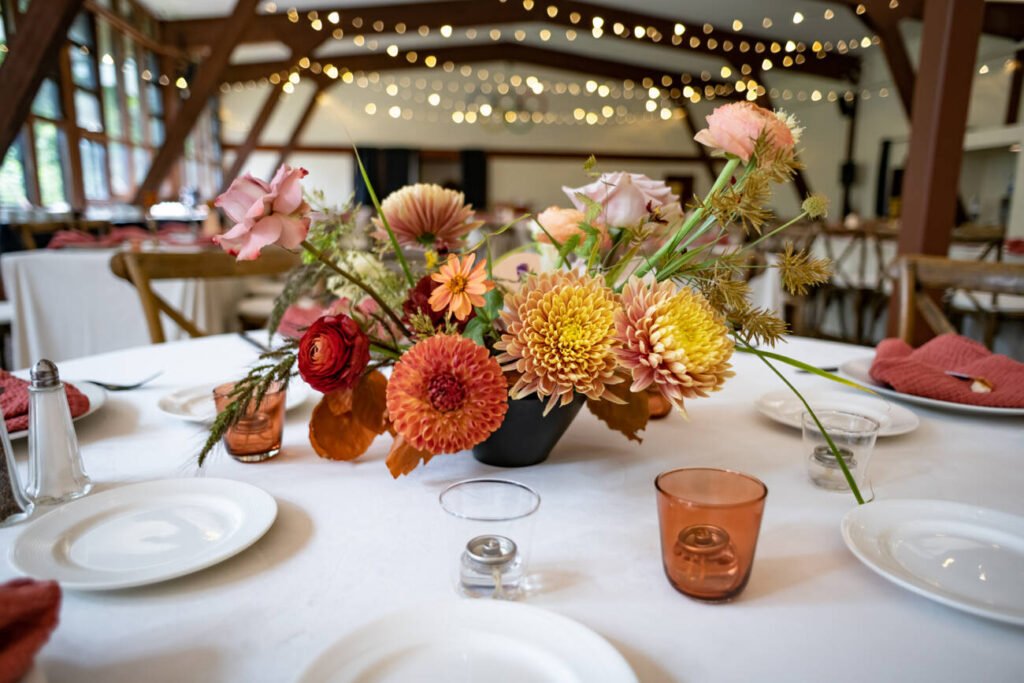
column 341, row 119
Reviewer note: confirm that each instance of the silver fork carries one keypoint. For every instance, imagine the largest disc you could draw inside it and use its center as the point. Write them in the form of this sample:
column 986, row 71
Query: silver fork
column 109, row 386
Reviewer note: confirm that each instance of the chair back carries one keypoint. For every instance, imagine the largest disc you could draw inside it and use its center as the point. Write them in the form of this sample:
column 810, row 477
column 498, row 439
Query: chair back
column 919, row 273
column 142, row 268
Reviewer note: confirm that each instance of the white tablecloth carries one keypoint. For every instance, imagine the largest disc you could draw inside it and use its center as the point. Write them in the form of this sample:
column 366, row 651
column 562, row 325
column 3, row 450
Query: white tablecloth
column 67, row 304
column 350, row 544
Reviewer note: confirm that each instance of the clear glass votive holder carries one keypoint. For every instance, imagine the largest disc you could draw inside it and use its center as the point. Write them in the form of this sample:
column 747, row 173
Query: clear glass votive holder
column 710, row 520
column 257, row 434
column 854, row 436
column 490, row 533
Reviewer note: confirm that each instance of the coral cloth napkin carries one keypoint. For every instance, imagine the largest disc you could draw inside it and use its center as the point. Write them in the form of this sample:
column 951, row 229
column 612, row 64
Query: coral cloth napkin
column 14, row 401
column 28, row 613
column 922, row 372
column 63, row 238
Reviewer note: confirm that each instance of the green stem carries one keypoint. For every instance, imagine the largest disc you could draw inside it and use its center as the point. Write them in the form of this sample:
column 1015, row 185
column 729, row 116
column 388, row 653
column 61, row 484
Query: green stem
column 319, row 255
column 384, row 220
column 670, row 245
column 835, row 451
column 383, row 350
column 769, row 234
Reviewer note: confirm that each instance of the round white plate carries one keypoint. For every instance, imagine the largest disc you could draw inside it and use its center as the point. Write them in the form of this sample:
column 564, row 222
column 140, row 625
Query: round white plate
column 784, row 407
column 195, row 404
column 963, row 556
column 857, row 370
column 471, row 640
column 143, row 533
column 97, row 397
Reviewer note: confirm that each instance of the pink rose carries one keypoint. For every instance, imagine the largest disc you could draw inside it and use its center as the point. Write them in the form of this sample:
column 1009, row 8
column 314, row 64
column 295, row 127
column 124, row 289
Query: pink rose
column 564, row 223
column 264, row 214
column 734, row 128
column 627, row 198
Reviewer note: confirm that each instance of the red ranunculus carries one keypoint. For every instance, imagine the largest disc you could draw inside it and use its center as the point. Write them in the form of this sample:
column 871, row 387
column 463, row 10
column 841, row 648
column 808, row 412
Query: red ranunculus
column 333, row 353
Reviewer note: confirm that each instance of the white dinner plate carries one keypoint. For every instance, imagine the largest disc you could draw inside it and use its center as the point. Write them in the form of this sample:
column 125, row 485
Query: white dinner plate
column 97, row 397
column 143, row 533
column 857, row 370
column 963, row 556
column 784, row 407
column 470, row 641
column 195, row 404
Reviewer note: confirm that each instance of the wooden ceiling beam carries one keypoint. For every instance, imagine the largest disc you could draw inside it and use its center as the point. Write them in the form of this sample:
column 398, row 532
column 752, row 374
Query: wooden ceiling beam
column 574, row 15
column 33, row 52
column 204, row 85
column 469, row 54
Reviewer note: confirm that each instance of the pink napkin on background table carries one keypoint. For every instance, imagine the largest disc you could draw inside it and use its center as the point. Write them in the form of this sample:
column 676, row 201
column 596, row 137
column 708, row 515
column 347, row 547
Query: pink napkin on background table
column 63, row 238
column 922, row 371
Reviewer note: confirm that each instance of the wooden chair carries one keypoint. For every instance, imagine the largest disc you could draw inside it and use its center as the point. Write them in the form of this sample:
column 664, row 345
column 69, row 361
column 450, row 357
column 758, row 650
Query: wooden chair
column 917, row 273
column 142, row 268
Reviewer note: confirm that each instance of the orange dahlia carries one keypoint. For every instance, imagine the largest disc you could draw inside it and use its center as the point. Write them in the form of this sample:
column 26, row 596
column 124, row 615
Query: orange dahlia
column 426, row 216
column 671, row 340
column 460, row 286
column 446, row 394
column 559, row 338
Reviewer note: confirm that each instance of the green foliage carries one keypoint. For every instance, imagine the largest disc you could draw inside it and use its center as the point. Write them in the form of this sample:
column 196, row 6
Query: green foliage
column 275, row 366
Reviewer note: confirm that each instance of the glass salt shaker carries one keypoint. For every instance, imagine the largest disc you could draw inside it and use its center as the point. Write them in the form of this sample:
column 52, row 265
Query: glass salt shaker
column 55, row 471
column 14, row 506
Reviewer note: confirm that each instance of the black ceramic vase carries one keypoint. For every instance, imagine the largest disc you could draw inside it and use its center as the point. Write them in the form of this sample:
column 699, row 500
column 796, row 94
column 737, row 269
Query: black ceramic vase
column 526, row 437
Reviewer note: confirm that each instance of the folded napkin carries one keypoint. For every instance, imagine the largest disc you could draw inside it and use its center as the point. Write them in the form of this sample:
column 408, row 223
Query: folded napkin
column 922, row 372
column 63, row 238
column 14, row 401
column 28, row 613
column 125, row 234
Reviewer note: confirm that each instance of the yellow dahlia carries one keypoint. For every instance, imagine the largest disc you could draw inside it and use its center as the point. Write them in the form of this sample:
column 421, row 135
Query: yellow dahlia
column 426, row 216
column 446, row 394
column 671, row 340
column 460, row 286
column 559, row 338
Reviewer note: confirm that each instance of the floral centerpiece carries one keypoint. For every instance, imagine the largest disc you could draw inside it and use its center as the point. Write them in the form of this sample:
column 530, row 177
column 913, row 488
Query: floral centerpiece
column 636, row 294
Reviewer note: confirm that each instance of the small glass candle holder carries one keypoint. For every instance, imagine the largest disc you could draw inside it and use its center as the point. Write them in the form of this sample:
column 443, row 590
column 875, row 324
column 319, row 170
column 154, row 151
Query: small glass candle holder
column 491, row 529
column 709, row 520
column 854, row 436
column 257, row 434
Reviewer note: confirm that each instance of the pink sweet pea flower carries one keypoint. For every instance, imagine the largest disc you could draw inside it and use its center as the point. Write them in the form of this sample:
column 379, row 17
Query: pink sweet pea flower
column 627, row 198
column 734, row 128
column 264, row 214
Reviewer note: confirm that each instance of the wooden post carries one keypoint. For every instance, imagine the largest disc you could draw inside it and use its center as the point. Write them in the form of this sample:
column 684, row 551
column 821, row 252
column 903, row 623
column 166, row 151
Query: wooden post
column 33, row 50
column 252, row 139
column 1016, row 81
column 300, row 125
column 939, row 117
column 204, row 85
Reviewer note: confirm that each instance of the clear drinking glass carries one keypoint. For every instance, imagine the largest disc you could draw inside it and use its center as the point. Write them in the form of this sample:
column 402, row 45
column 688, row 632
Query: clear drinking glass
column 257, row 434
column 709, row 520
column 853, row 434
column 490, row 534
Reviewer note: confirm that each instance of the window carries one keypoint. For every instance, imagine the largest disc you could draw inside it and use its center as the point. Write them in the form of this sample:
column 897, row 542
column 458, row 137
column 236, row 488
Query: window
column 103, row 108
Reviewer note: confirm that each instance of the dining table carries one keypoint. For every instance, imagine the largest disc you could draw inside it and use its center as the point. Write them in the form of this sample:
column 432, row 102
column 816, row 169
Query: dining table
column 351, row 544
column 67, row 303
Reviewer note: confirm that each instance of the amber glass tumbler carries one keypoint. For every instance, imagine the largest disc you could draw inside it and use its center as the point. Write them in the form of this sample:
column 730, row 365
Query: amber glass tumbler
column 257, row 434
column 709, row 521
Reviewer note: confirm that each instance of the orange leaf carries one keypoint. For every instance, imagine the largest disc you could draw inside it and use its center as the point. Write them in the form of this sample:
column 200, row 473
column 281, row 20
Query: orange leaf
column 628, row 418
column 339, row 402
column 338, row 437
column 404, row 457
column 369, row 403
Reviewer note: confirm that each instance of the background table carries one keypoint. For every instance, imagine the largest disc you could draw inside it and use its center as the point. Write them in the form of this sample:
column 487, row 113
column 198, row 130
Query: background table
column 66, row 304
column 350, row 544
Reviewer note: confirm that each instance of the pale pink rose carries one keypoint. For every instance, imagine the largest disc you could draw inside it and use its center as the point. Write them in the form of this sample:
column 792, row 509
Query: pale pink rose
column 627, row 198
column 734, row 128
column 264, row 214
column 562, row 224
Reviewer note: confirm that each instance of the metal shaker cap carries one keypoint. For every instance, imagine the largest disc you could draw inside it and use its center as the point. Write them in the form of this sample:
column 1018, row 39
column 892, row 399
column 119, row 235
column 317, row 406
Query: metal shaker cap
column 44, row 374
column 491, row 550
